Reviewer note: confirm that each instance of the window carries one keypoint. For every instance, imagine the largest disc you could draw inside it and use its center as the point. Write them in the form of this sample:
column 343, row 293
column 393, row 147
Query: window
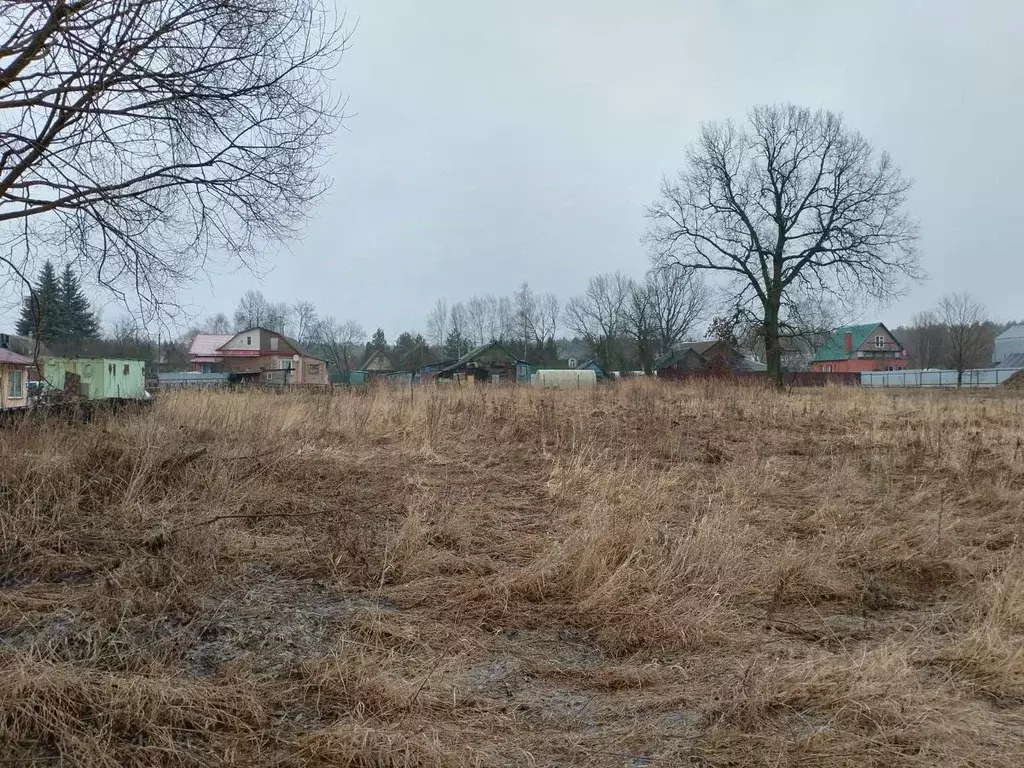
column 15, row 384
column 248, row 341
column 879, row 341
column 313, row 369
column 273, row 343
column 124, row 371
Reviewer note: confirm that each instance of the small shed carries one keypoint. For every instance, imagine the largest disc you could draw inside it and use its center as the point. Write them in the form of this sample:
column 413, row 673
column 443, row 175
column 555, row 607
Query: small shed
column 97, row 378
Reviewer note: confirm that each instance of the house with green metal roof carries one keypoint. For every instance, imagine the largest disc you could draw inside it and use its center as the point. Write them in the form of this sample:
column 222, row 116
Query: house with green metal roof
column 863, row 347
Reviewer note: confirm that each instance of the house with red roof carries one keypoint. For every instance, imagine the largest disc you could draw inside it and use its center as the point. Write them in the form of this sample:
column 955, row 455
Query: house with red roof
column 278, row 358
column 858, row 348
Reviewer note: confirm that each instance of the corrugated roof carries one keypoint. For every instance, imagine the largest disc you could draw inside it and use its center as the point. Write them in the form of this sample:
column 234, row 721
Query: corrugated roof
column 207, row 344
column 13, row 358
column 835, row 349
column 1013, row 332
column 1015, row 360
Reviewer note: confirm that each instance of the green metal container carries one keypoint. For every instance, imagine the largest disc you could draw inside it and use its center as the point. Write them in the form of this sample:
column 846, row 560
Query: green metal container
column 99, row 378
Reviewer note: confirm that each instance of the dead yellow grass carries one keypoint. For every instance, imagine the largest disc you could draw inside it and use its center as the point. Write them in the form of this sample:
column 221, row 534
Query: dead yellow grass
column 644, row 575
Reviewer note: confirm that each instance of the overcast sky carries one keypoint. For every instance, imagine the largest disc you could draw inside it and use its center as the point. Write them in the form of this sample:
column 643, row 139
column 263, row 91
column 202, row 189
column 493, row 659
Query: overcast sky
column 497, row 142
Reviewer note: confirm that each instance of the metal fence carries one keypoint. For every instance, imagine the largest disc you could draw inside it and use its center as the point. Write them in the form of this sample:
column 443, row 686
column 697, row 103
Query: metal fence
column 978, row 378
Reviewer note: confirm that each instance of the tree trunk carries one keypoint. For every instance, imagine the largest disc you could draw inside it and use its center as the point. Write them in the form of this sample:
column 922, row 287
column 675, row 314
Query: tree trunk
column 772, row 351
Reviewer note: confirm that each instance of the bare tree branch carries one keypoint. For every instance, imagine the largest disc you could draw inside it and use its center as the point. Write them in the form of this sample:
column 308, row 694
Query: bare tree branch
column 139, row 138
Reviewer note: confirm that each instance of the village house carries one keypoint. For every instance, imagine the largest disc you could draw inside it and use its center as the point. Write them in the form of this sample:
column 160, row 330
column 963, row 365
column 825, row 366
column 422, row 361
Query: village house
column 859, row 348
column 705, row 356
column 279, row 359
column 378, row 365
column 488, row 363
column 14, row 370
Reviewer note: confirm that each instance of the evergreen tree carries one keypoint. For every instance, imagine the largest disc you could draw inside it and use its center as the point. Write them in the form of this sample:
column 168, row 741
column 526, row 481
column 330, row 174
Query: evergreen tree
column 77, row 319
column 41, row 312
column 379, row 342
column 455, row 346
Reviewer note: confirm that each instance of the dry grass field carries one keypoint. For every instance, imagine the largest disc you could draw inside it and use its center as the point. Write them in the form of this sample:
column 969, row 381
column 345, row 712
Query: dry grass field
column 647, row 575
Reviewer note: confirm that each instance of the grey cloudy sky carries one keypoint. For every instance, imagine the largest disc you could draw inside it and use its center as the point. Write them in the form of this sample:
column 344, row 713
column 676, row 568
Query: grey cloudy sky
column 496, row 142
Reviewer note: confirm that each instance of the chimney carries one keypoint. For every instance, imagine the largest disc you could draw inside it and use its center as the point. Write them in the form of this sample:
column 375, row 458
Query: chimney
column 848, row 343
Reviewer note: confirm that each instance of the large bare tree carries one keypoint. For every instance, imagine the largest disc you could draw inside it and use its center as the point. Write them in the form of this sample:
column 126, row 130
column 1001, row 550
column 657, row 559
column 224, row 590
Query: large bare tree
column 255, row 311
column 437, row 324
column 679, row 298
column 792, row 202
column 967, row 335
column 639, row 321
column 305, row 320
column 341, row 343
column 141, row 139
column 547, row 319
column 597, row 316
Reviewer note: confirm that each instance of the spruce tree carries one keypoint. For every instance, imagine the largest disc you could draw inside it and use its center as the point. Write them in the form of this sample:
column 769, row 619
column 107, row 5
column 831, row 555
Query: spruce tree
column 41, row 313
column 78, row 320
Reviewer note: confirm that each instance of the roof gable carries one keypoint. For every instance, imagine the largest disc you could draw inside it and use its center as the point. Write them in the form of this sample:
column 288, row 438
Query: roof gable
column 682, row 351
column 377, row 361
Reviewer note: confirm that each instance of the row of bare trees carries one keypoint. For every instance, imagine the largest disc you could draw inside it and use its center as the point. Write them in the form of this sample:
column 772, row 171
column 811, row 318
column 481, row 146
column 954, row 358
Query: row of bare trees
column 525, row 321
column 626, row 321
column 622, row 321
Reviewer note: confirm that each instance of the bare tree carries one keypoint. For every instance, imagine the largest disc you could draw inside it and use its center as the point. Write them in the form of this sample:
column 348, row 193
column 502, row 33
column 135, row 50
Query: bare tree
column 525, row 317
column 437, row 324
column 255, row 311
column 139, row 138
column 640, row 321
column 504, row 319
column 218, row 323
column 304, row 317
column 548, row 317
column 966, row 333
column 927, row 340
column 679, row 299
column 478, row 318
column 597, row 315
column 792, row 202
column 341, row 343
column 125, row 331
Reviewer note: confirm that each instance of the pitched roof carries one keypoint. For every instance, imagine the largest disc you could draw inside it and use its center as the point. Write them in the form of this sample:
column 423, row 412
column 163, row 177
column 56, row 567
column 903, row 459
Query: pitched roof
column 375, row 354
column 13, row 358
column 207, row 344
column 475, row 353
column 1013, row 332
column 835, row 348
column 680, row 351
